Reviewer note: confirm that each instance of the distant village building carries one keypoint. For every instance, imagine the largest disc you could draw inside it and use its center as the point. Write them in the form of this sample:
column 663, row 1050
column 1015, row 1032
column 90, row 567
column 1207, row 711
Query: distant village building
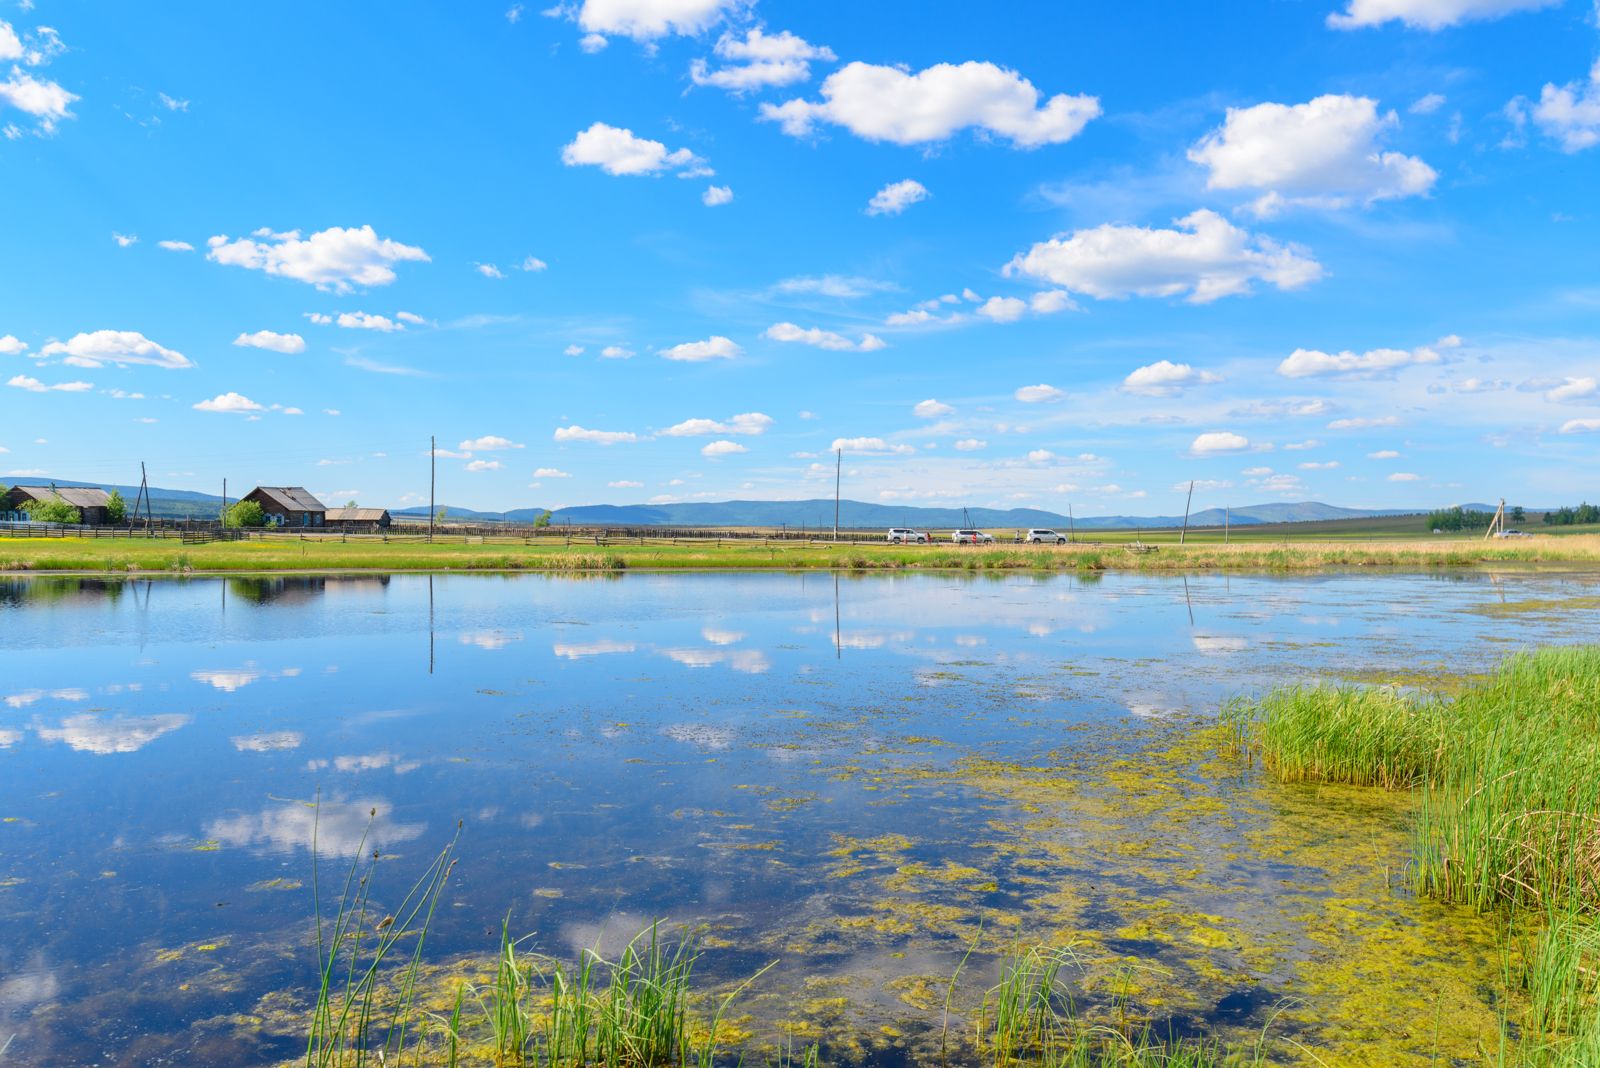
column 358, row 519
column 89, row 501
column 288, row 506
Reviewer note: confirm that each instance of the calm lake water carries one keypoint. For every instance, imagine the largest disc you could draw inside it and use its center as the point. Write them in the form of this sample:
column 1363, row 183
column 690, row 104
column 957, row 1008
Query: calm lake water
column 856, row 777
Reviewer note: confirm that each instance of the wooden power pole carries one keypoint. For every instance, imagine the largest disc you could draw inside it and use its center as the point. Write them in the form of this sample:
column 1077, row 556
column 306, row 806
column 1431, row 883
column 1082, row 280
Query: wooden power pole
column 433, row 468
column 1187, row 501
column 838, row 473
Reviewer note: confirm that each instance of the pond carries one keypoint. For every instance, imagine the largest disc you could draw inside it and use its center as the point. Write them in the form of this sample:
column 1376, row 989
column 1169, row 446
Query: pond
column 858, row 777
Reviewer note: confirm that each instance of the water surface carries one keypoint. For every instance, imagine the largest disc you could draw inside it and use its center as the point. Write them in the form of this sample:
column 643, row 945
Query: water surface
column 857, row 777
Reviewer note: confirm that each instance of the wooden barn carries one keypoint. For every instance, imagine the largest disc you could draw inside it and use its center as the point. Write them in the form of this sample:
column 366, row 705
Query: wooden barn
column 89, row 501
column 289, row 506
column 359, row 520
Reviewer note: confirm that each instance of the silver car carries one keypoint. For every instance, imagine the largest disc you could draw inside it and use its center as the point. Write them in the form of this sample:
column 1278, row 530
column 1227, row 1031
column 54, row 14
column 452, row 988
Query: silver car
column 1045, row 537
column 905, row 536
column 972, row 537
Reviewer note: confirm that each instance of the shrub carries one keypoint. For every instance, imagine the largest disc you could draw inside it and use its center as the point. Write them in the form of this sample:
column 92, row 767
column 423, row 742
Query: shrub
column 116, row 508
column 55, row 510
column 245, row 514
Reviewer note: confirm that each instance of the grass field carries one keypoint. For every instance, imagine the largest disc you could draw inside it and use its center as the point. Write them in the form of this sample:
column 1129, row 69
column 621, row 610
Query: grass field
column 331, row 554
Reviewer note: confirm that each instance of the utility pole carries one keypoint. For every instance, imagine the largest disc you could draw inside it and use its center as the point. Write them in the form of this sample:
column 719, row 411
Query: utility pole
column 1226, row 514
column 223, row 518
column 1188, row 501
column 1072, row 524
column 433, row 468
column 838, row 473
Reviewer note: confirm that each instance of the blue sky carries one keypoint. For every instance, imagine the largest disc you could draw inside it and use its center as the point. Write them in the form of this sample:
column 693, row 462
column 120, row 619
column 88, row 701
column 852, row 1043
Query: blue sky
column 634, row 250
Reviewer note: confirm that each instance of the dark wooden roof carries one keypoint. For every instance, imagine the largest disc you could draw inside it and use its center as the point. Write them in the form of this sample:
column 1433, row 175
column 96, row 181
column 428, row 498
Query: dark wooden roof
column 77, row 496
column 288, row 499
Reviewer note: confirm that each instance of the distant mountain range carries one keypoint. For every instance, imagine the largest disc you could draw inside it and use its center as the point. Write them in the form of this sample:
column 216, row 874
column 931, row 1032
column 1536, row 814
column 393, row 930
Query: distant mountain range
column 816, row 514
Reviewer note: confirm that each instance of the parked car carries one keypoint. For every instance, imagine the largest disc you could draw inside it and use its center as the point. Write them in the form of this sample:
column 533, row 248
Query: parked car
column 1045, row 537
column 905, row 536
column 972, row 537
column 1513, row 534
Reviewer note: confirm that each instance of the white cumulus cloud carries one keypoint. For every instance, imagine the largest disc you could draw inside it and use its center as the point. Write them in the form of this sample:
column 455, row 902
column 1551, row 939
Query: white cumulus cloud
column 617, row 151
column 642, row 20
column 715, row 347
column 931, row 409
column 1570, row 113
column 175, row 246
column 338, row 258
column 869, row 447
column 1216, row 442
column 1323, row 153
column 1204, row 258
column 717, row 195
column 1426, row 14
column 745, row 423
column 1040, row 394
column 33, row 385
column 488, row 443
column 758, row 61
column 1165, row 379
column 10, row 345
column 1581, row 426
column 1003, row 309
column 722, row 448
column 896, row 197
column 273, row 342
column 881, row 103
column 121, row 347
column 551, row 472
column 1307, row 363
column 485, row 465
column 596, row 437
column 970, row 444
column 822, row 339
column 229, row 402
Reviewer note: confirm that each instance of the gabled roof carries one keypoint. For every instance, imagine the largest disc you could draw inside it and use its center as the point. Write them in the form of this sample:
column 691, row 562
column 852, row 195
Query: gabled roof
column 77, row 496
column 289, row 499
column 356, row 515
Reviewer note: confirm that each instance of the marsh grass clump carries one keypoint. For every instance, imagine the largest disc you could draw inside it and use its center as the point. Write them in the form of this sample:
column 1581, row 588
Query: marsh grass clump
column 1508, row 818
column 1028, row 1020
column 535, row 1011
column 1353, row 735
column 1514, row 816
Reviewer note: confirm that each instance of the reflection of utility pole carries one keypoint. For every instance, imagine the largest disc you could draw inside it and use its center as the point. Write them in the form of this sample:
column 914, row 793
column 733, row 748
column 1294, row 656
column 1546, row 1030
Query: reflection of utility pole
column 838, row 643
column 1186, row 600
column 430, row 624
column 838, row 472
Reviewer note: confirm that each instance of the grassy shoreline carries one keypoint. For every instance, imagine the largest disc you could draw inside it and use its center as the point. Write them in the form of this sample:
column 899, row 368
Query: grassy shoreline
column 167, row 556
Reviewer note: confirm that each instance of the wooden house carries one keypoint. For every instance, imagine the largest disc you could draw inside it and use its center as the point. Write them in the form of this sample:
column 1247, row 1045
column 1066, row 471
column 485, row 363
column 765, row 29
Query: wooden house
column 359, row 520
column 90, row 502
column 288, row 506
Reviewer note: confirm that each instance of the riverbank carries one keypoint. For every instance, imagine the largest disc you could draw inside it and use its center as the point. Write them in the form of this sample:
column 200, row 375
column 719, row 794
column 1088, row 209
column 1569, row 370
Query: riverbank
column 328, row 554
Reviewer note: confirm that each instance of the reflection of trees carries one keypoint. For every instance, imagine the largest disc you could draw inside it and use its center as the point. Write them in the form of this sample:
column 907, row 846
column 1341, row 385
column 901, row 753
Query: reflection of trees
column 110, row 734
column 298, row 589
column 50, row 589
column 336, row 826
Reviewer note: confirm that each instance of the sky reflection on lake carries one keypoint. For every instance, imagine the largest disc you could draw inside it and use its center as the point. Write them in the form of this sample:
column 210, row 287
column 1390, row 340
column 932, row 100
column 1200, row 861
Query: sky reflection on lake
column 702, row 748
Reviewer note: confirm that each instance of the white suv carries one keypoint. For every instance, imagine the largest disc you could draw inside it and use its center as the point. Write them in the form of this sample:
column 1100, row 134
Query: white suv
column 972, row 537
column 904, row 536
column 1045, row 537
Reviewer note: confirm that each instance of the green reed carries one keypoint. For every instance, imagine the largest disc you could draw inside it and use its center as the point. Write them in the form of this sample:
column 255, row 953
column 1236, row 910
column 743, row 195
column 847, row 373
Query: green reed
column 1360, row 736
column 1508, row 820
column 364, row 1009
column 1028, row 1020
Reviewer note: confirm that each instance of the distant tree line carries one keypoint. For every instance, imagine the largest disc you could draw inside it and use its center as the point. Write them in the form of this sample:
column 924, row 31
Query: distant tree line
column 1453, row 519
column 1567, row 517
